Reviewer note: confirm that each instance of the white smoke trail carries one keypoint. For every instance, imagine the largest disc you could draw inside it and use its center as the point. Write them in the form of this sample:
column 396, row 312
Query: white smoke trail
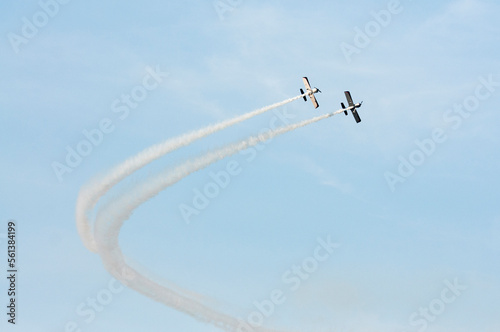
column 110, row 220
column 90, row 194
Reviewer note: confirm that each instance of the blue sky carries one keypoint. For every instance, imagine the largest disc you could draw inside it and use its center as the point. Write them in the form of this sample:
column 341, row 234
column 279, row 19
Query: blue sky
column 401, row 243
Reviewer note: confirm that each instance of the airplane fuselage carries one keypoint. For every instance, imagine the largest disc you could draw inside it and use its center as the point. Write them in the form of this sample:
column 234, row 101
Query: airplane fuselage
column 353, row 107
column 311, row 92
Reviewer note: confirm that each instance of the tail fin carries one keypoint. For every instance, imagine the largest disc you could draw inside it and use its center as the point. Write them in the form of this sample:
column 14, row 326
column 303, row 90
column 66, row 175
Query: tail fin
column 302, row 92
column 343, row 107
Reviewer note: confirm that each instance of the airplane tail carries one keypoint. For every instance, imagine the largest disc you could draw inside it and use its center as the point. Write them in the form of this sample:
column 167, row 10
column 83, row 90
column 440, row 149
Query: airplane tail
column 343, row 107
column 302, row 92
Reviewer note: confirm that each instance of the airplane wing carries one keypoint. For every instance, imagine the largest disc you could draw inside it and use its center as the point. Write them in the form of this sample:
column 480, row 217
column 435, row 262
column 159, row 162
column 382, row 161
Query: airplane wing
column 349, row 99
column 306, row 83
column 356, row 115
column 314, row 101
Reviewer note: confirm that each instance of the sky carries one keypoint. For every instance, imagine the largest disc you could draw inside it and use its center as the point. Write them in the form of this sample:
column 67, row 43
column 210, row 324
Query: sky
column 409, row 195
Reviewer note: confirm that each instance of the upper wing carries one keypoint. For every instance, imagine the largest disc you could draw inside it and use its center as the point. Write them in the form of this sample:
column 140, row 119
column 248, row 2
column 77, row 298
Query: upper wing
column 306, row 83
column 349, row 99
column 314, row 101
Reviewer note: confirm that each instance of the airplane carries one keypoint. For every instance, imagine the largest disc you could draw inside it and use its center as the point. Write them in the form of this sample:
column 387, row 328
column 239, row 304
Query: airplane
column 351, row 107
column 310, row 92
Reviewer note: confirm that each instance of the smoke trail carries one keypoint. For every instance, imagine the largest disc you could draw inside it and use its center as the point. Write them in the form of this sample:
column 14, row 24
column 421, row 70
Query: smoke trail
column 110, row 220
column 90, row 194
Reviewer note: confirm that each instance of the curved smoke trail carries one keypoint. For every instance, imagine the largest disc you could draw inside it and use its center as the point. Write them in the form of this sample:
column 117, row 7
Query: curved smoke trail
column 90, row 194
column 112, row 217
